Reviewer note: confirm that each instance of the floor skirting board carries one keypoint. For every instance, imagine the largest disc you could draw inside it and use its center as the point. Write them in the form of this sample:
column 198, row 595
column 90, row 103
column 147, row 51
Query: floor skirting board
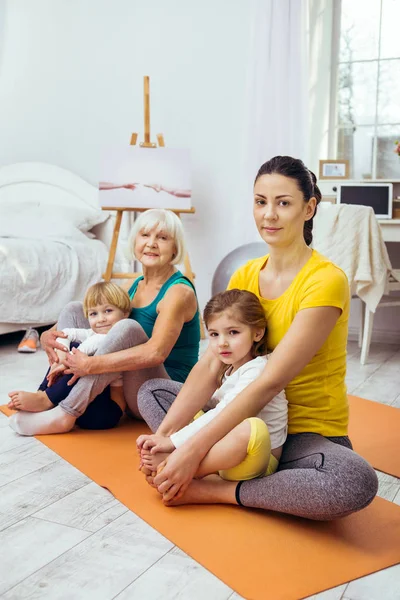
column 380, row 336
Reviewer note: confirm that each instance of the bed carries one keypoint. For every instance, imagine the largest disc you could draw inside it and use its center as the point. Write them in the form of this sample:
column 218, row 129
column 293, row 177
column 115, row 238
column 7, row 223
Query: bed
column 53, row 242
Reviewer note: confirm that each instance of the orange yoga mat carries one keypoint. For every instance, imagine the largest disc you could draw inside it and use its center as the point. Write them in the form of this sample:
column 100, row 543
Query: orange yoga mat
column 259, row 554
column 374, row 430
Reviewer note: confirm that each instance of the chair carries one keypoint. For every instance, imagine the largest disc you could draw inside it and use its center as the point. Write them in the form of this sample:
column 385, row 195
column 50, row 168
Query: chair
column 367, row 316
column 351, row 237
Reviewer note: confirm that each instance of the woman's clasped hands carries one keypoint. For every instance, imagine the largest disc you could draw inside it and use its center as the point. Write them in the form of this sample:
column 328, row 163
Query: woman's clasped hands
column 49, row 343
column 75, row 362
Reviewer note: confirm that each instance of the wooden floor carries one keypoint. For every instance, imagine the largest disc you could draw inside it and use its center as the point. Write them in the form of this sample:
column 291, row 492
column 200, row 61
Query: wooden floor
column 64, row 537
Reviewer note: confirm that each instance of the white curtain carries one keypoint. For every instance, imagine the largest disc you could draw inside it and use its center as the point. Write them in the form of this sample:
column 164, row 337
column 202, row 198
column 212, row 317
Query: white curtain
column 2, row 28
column 278, row 82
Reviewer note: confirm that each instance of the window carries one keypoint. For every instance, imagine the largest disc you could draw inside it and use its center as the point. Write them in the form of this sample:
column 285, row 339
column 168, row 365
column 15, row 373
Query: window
column 368, row 88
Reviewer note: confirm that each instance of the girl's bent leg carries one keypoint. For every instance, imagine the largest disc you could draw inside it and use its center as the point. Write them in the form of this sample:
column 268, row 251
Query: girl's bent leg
column 155, row 398
column 318, row 478
column 124, row 334
column 257, row 457
column 244, row 453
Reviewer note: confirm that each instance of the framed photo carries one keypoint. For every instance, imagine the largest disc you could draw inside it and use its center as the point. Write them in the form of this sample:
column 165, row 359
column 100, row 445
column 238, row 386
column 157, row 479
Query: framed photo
column 334, row 169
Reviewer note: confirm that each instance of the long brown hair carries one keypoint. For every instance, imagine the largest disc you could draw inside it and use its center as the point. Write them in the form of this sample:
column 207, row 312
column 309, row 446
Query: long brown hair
column 247, row 309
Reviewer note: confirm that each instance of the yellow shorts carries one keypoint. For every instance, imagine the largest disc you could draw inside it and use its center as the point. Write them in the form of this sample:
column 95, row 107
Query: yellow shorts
column 259, row 461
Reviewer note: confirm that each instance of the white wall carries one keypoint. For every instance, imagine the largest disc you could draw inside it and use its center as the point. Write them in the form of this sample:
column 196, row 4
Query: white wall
column 71, row 82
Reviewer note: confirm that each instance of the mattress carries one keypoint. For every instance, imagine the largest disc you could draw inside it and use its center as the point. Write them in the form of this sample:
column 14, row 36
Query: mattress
column 38, row 277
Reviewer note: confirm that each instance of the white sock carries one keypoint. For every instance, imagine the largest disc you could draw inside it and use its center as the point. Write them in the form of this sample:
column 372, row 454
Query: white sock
column 55, row 420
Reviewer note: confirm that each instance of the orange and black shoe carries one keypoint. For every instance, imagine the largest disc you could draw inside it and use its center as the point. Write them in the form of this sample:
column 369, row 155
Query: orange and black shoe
column 29, row 342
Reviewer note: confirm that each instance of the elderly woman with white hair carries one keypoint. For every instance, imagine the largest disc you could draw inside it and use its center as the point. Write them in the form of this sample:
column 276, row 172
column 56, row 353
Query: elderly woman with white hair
column 160, row 339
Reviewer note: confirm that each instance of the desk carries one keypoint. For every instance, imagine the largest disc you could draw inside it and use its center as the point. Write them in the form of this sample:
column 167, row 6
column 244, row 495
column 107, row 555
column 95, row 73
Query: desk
column 390, row 229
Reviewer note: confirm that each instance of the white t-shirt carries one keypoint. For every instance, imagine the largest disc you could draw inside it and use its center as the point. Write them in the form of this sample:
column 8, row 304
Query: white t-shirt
column 274, row 414
column 89, row 344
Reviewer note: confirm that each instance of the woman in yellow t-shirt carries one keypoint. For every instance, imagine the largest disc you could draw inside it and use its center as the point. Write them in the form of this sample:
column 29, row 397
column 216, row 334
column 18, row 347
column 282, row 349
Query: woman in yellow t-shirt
column 306, row 300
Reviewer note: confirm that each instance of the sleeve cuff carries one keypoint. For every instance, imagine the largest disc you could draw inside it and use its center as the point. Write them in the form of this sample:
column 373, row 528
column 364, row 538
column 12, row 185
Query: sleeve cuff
column 177, row 439
column 64, row 342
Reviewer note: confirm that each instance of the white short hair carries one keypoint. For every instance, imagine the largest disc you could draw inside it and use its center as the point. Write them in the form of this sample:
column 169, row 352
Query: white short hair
column 164, row 220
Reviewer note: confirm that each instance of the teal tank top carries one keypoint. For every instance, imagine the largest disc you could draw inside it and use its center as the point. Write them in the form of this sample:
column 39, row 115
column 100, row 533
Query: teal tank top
column 185, row 353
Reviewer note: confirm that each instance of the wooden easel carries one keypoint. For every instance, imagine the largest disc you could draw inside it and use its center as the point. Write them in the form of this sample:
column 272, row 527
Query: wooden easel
column 109, row 274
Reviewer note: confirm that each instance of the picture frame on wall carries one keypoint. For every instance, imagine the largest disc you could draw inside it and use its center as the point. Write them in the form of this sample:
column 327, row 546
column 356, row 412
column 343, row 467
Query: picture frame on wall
column 334, row 169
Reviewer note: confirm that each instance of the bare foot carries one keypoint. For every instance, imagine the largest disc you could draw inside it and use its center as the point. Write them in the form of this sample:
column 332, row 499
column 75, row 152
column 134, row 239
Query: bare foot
column 29, row 401
column 153, row 461
column 149, row 475
column 209, row 490
column 146, row 471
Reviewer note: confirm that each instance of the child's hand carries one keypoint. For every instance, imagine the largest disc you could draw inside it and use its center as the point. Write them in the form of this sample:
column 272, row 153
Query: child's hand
column 141, row 440
column 55, row 372
column 158, row 443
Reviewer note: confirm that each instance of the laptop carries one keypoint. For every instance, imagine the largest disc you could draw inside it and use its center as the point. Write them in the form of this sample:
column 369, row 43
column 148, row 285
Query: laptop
column 377, row 195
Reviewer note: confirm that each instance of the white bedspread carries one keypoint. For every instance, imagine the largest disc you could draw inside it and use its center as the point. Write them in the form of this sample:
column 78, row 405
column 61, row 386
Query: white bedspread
column 350, row 236
column 38, row 277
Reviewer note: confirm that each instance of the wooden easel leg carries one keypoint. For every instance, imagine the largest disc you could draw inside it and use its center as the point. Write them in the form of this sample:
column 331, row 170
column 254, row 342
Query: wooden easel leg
column 113, row 247
column 187, row 271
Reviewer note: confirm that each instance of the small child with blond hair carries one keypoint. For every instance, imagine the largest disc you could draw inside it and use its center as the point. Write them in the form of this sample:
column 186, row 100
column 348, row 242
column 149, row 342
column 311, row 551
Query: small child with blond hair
column 105, row 304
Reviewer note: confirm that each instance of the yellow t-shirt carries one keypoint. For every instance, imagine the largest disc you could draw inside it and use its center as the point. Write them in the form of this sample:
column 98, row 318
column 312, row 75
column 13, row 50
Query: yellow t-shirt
column 317, row 397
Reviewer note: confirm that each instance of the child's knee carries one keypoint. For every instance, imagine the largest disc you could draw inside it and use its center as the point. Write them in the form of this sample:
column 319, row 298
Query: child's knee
column 259, row 440
column 74, row 308
column 258, row 454
column 128, row 332
column 242, row 433
column 74, row 305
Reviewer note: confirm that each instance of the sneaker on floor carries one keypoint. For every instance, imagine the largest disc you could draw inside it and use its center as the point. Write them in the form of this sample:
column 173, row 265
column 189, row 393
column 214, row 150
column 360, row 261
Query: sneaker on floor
column 29, row 342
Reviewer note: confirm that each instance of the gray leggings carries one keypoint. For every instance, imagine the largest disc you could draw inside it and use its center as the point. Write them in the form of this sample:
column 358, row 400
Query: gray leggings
column 318, row 478
column 124, row 334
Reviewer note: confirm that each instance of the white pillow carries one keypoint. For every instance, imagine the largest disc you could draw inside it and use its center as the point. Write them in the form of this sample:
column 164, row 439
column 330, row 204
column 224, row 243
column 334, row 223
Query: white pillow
column 39, row 227
column 84, row 218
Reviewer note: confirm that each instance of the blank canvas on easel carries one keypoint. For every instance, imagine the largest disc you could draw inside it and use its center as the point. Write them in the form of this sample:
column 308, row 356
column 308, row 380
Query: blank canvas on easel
column 132, row 176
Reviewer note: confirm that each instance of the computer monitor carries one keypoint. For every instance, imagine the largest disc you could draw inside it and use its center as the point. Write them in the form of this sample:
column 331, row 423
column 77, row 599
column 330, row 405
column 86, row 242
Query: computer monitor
column 377, row 195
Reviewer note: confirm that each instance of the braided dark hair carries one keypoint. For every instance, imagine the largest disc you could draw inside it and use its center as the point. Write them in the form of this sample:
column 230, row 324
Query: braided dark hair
column 306, row 182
